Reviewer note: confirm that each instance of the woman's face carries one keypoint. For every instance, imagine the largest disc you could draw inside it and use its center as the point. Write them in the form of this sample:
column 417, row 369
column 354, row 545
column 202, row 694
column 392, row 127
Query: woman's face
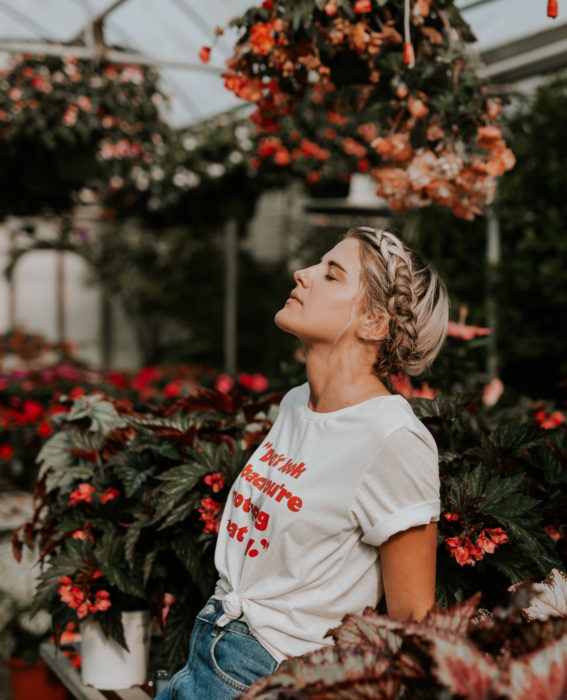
column 326, row 297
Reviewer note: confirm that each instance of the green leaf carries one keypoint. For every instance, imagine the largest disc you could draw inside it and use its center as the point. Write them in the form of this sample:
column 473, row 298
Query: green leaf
column 103, row 416
column 189, row 553
column 518, row 435
column 176, row 635
column 133, row 469
column 182, row 512
column 180, row 480
column 111, row 624
column 110, row 553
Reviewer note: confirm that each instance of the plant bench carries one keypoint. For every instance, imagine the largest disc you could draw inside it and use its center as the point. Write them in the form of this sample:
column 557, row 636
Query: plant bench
column 71, row 679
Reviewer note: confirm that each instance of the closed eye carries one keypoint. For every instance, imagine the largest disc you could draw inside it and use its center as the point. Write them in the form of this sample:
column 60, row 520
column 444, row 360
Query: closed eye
column 329, row 277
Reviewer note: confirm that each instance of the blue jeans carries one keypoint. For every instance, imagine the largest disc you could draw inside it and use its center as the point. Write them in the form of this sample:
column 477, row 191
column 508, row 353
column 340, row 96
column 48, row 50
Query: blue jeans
column 223, row 661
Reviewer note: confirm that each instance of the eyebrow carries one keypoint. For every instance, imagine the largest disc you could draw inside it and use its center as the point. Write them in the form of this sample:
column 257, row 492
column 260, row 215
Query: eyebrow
column 332, row 263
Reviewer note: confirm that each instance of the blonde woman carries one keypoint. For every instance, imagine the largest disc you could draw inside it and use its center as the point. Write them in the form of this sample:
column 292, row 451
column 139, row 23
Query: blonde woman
column 339, row 504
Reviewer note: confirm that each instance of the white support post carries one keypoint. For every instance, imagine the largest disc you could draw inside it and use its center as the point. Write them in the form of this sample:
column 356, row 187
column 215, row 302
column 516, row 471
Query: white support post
column 492, row 262
column 230, row 296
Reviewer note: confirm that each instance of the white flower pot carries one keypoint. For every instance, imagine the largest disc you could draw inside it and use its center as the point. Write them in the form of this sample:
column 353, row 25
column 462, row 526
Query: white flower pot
column 105, row 664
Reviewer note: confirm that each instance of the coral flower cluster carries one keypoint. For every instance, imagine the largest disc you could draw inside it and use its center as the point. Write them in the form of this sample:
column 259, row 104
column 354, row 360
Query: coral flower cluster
column 80, row 600
column 426, row 134
column 465, row 550
column 208, row 513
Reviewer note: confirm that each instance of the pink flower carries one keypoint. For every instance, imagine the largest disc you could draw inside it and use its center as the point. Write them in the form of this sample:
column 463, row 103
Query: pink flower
column 362, row 6
column 205, row 54
column 84, row 103
column 82, row 535
column 464, row 332
column 83, row 493
column 492, row 392
column 215, row 481
column 109, row 495
column 331, row 8
column 224, row 383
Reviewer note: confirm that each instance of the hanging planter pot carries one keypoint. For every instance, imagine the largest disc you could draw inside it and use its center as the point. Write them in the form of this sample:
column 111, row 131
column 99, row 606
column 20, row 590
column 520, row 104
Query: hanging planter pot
column 107, row 665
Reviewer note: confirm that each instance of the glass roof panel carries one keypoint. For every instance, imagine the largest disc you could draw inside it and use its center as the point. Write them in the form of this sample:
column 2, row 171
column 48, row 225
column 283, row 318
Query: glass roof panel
column 175, row 30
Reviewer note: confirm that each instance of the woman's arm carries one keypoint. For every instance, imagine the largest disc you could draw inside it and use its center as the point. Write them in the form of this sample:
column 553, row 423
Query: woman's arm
column 408, row 570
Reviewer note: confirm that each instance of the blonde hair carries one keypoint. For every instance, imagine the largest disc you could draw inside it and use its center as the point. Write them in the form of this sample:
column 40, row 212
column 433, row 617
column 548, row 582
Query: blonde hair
column 400, row 288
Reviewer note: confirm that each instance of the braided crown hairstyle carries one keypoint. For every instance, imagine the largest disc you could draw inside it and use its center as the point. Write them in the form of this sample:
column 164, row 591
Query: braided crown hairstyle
column 400, row 287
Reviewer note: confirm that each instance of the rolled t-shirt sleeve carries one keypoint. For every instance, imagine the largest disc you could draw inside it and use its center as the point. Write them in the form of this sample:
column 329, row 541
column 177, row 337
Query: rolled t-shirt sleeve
column 400, row 487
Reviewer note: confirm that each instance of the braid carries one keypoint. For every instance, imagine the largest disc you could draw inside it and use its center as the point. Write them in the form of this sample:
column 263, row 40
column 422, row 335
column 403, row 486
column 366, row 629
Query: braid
column 408, row 295
column 401, row 301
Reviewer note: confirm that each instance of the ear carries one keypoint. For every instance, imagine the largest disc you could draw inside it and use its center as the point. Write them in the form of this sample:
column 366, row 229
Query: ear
column 373, row 327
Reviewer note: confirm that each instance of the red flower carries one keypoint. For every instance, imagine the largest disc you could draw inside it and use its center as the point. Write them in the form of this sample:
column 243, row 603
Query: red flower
column 485, row 544
column 44, row 429
column 498, row 535
column 362, row 6
column 548, row 422
column 101, row 602
column 32, row 410
column 82, row 535
column 552, row 532
column 450, row 516
column 172, row 389
column 256, row 382
column 76, row 392
column 109, row 495
column 215, row 481
column 6, row 451
column 261, row 38
column 83, row 493
column 224, row 383
column 205, row 54
column 268, row 5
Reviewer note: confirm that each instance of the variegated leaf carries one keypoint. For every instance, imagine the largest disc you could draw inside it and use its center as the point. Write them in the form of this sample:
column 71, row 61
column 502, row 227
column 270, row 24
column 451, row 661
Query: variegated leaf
column 462, row 668
column 549, row 597
column 456, row 619
column 369, row 629
column 104, row 418
column 539, row 676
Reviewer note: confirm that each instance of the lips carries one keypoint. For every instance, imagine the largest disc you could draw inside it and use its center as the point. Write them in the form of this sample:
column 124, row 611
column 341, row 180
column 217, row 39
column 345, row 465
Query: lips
column 294, row 296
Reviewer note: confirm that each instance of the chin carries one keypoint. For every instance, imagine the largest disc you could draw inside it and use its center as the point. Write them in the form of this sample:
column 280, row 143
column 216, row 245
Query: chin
column 282, row 321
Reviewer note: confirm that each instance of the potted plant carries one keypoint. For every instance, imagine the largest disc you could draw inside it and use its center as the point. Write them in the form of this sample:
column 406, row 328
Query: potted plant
column 127, row 507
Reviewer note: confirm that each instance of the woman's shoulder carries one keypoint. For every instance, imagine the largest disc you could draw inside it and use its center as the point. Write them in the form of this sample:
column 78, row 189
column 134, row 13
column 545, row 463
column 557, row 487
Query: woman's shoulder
column 393, row 418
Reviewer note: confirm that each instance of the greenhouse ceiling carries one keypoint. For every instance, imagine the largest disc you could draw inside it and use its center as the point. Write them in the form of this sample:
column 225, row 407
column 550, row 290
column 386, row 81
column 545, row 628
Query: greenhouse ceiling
column 516, row 40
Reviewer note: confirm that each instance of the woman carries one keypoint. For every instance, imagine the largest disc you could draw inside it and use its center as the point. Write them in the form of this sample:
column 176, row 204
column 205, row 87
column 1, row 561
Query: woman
column 339, row 504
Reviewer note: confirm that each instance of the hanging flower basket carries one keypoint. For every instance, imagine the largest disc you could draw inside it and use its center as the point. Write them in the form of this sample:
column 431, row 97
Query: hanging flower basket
column 379, row 86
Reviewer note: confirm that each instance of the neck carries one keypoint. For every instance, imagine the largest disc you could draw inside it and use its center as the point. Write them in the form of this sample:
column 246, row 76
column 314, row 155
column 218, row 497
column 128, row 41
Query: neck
column 338, row 379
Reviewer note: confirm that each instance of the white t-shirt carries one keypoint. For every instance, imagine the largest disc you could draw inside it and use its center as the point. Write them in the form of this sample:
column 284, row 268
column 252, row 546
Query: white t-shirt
column 298, row 541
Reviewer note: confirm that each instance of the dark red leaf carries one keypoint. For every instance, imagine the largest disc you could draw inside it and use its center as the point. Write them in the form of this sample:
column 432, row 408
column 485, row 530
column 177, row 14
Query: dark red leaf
column 17, row 545
column 539, row 676
column 462, row 668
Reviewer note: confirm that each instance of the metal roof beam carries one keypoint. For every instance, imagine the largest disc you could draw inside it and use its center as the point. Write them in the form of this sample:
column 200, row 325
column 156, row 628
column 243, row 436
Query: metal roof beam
column 111, row 55
column 532, row 55
column 98, row 19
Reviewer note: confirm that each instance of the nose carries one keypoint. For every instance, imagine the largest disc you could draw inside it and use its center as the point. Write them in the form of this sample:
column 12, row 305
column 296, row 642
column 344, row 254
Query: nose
column 300, row 277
